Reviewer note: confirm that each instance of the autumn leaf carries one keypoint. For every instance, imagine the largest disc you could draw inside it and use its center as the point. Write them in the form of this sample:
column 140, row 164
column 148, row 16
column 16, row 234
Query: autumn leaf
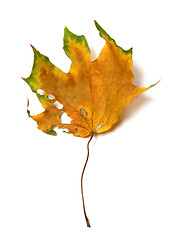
column 93, row 93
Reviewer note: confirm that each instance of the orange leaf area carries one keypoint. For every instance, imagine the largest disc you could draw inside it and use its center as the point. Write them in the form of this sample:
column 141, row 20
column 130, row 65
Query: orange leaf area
column 93, row 93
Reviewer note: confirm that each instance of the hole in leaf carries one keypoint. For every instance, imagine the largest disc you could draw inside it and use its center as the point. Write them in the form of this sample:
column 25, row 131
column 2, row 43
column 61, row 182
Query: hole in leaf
column 64, row 118
column 41, row 92
column 98, row 127
column 51, row 97
column 65, row 130
column 58, row 105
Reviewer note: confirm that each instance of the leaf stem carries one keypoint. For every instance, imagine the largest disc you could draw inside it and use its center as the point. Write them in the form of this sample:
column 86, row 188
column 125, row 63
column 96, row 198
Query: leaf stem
column 87, row 220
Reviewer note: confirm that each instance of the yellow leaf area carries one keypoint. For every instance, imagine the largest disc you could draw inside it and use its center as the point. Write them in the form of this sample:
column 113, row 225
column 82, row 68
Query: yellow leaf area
column 93, row 93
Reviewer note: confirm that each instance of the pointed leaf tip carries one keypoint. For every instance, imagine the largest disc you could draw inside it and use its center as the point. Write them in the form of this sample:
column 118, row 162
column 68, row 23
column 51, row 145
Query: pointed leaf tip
column 154, row 84
column 65, row 28
column 28, row 112
column 73, row 42
column 51, row 132
column 32, row 46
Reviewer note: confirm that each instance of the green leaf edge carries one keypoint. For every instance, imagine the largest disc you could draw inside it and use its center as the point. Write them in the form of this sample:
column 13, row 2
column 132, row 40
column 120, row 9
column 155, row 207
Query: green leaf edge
column 33, row 83
column 51, row 132
column 103, row 33
column 77, row 38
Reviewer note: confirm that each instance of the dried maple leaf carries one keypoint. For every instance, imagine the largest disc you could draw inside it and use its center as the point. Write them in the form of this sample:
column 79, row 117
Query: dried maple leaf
column 93, row 93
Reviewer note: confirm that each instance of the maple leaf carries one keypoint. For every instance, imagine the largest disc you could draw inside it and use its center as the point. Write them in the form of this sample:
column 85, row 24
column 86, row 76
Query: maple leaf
column 93, row 93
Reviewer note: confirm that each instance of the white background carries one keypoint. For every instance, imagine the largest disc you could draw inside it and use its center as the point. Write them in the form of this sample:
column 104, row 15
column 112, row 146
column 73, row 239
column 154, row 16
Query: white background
column 132, row 181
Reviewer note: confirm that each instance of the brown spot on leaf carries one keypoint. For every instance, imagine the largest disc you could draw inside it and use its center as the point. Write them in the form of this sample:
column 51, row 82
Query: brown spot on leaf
column 83, row 113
